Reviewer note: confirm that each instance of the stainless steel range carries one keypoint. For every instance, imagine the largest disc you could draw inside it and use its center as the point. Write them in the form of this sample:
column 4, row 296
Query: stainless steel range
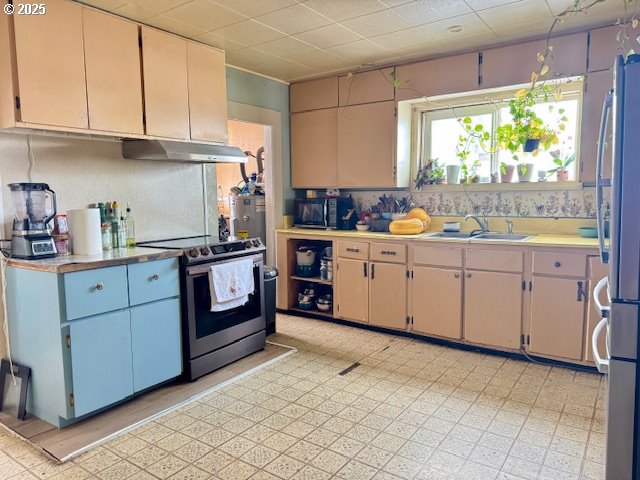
column 212, row 340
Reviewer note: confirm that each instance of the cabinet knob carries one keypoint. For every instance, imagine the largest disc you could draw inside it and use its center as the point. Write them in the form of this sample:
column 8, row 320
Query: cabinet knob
column 468, row 275
column 557, row 264
column 100, row 286
column 456, row 275
column 155, row 276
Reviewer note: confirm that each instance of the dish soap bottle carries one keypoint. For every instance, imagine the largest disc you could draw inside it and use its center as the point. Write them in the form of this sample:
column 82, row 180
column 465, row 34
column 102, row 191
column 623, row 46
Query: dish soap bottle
column 131, row 228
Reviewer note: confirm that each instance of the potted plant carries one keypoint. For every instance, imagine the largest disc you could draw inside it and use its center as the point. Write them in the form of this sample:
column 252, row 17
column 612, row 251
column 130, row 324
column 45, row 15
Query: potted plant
column 430, row 173
column 474, row 135
column 562, row 170
column 527, row 132
column 506, row 172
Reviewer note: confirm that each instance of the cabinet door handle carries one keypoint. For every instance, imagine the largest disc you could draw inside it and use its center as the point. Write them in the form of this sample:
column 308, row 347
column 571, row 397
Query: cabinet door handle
column 557, row 264
column 388, row 252
column 353, row 250
column 99, row 286
column 468, row 275
column 581, row 292
column 456, row 275
column 373, row 271
column 155, row 276
column 365, row 269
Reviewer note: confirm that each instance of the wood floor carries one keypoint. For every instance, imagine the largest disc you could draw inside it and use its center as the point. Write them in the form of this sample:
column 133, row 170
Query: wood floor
column 62, row 444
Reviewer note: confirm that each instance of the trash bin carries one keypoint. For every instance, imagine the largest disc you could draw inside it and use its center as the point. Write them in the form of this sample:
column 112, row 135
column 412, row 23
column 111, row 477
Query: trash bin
column 270, row 274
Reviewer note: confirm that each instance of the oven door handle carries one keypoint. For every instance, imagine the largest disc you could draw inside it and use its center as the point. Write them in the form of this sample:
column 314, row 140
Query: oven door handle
column 206, row 268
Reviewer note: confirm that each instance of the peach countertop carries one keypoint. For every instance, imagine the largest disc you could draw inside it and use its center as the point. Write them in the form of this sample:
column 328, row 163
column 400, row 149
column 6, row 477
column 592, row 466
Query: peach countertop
column 544, row 239
column 110, row 258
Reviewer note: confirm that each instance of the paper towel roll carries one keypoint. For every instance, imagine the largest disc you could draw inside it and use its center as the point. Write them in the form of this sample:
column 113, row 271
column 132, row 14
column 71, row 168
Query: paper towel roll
column 84, row 229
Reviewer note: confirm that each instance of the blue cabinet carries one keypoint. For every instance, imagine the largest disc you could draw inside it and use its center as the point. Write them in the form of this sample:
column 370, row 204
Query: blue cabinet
column 153, row 281
column 101, row 361
column 91, row 292
column 155, row 343
column 95, row 337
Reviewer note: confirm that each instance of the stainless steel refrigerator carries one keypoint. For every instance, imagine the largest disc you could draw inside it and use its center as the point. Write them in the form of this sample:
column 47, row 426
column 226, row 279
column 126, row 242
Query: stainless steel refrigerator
column 622, row 253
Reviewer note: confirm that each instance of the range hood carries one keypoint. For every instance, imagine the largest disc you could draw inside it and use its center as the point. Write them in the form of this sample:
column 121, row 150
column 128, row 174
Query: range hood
column 181, row 152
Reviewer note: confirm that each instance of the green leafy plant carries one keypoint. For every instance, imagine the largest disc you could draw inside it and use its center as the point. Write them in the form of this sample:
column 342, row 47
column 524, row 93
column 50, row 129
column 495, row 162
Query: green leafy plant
column 526, row 124
column 562, row 163
column 430, row 173
column 473, row 135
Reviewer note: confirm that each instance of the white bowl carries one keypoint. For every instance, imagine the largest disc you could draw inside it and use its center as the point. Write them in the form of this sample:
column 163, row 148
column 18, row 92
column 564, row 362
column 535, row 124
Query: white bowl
column 362, row 228
column 398, row 216
column 451, row 226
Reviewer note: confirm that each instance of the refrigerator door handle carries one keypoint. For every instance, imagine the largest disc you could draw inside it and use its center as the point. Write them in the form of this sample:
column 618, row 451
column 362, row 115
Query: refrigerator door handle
column 601, row 364
column 601, row 182
column 603, row 310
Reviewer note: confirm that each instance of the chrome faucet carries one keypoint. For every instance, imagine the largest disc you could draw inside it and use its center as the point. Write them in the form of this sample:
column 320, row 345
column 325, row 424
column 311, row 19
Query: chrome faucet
column 483, row 224
column 509, row 226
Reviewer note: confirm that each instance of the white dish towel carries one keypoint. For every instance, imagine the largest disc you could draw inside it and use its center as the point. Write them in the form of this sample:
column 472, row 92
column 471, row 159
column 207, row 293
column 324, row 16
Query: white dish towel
column 230, row 284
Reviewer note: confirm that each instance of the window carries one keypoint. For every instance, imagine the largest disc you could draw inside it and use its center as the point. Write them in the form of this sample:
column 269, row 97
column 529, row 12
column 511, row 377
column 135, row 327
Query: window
column 440, row 128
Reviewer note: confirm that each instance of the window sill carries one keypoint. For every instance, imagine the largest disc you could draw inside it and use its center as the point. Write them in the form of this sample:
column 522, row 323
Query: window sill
column 501, row 187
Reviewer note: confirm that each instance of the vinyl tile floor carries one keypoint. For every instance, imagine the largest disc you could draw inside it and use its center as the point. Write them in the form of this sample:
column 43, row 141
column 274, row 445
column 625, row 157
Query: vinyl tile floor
column 410, row 410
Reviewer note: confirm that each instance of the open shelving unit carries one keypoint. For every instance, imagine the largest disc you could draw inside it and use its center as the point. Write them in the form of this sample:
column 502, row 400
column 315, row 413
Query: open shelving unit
column 297, row 283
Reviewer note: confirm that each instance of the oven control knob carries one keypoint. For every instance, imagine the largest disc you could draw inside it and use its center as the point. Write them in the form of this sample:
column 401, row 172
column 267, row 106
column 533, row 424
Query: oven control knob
column 205, row 251
column 248, row 244
column 256, row 242
column 194, row 253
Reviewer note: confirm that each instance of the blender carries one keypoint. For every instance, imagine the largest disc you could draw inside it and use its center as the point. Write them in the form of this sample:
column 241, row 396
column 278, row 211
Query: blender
column 31, row 238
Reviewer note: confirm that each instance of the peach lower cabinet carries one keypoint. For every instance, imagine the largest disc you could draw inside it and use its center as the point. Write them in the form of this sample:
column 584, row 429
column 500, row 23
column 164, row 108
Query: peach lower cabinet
column 504, row 297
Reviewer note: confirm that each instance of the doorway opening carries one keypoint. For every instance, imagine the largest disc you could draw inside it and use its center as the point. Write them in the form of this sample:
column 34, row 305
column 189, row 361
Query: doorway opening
column 242, row 188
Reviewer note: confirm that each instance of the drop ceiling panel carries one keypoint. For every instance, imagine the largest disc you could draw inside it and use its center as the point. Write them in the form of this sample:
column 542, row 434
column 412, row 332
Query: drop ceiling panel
column 296, row 39
column 329, row 36
column 338, row 10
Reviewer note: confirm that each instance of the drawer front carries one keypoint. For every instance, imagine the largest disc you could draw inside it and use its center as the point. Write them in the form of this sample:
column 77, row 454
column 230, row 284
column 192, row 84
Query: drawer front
column 91, row 292
column 562, row 264
column 495, row 261
column 355, row 250
column 150, row 281
column 388, row 252
column 439, row 256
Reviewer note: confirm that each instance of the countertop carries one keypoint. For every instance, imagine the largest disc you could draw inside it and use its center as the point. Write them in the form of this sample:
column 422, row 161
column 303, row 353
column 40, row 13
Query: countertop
column 76, row 263
column 545, row 239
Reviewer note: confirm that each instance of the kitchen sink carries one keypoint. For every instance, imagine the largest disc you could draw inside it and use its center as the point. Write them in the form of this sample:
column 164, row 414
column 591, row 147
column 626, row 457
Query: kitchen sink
column 511, row 237
column 452, row 234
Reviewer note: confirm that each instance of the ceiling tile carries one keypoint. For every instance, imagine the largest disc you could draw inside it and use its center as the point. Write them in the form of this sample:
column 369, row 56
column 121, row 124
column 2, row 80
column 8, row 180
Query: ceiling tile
column 172, row 25
column 249, row 55
column 143, row 9
column 253, row 8
column 407, row 38
column 524, row 18
column 362, row 51
column 318, row 59
column 483, row 4
column 294, row 19
column 419, row 12
column 205, row 15
column 105, row 4
column 328, row 36
column 341, row 10
column 379, row 23
column 285, row 47
column 473, row 33
column 249, row 32
column 226, row 44
column 608, row 9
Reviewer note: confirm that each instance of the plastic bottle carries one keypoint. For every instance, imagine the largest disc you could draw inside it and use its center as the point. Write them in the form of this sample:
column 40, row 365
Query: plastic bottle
column 122, row 233
column 105, row 228
column 131, row 228
column 115, row 226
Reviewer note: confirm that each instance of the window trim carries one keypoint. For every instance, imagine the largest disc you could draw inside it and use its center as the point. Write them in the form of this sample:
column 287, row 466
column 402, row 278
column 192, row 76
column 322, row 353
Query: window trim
column 571, row 87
